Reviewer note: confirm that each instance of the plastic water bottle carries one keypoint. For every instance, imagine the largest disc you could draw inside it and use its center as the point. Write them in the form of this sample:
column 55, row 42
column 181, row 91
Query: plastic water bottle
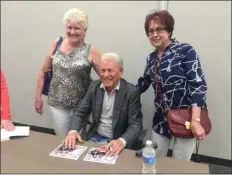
column 149, row 158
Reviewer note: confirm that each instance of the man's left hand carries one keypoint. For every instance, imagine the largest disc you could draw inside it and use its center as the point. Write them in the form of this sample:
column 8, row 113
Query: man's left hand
column 113, row 148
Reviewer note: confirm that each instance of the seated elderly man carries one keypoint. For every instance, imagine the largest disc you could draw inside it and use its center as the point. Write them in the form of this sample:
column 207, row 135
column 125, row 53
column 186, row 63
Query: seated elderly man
column 115, row 106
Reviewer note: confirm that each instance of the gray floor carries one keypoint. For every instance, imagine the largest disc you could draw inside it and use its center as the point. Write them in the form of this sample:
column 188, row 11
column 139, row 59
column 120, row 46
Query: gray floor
column 216, row 169
column 213, row 169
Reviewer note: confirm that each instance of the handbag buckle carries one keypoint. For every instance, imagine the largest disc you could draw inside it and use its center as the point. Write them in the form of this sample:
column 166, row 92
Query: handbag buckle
column 187, row 125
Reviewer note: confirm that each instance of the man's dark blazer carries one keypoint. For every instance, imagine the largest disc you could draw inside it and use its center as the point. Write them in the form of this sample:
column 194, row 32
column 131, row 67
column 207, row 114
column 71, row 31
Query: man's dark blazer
column 127, row 115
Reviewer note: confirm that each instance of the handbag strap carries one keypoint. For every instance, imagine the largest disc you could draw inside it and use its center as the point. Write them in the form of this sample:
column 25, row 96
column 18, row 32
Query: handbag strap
column 159, row 88
column 197, row 157
column 58, row 44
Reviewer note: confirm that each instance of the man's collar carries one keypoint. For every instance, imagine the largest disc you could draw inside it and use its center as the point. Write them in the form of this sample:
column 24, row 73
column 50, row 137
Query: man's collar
column 116, row 88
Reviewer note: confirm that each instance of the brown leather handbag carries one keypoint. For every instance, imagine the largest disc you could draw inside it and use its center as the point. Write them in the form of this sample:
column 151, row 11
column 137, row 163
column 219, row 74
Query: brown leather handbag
column 179, row 122
column 179, row 119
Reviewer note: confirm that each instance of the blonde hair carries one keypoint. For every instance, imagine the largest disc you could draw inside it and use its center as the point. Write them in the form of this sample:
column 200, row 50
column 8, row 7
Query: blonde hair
column 112, row 56
column 77, row 16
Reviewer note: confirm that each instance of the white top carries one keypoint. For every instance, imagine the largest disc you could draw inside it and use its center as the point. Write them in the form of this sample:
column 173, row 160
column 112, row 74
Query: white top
column 105, row 125
column 148, row 142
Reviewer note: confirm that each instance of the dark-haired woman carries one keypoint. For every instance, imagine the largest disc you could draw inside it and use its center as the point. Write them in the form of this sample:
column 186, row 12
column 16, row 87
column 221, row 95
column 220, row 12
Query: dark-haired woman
column 182, row 83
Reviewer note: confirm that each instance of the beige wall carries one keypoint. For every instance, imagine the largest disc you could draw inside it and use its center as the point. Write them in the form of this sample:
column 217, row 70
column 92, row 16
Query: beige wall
column 28, row 28
column 207, row 27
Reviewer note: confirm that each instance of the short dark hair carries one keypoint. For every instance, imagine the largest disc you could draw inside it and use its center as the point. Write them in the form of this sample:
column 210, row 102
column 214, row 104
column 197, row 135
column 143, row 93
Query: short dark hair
column 163, row 17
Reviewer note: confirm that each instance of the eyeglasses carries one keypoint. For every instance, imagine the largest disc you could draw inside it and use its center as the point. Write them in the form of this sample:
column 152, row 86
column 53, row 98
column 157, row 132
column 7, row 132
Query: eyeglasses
column 158, row 30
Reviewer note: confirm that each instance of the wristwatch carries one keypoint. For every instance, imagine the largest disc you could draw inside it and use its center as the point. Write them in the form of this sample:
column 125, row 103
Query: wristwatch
column 196, row 118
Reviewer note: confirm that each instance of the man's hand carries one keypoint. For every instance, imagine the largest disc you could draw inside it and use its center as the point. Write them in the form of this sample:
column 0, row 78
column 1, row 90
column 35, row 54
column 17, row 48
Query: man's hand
column 113, row 148
column 70, row 140
column 197, row 130
column 8, row 125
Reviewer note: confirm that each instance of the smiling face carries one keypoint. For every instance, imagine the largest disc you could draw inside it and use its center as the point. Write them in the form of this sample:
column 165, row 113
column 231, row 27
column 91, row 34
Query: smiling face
column 75, row 32
column 158, row 35
column 110, row 73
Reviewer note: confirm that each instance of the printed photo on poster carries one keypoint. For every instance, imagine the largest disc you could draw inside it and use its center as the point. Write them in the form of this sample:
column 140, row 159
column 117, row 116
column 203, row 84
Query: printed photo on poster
column 98, row 156
column 68, row 153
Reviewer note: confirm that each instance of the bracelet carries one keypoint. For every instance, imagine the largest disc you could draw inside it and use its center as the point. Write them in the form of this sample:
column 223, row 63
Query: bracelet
column 196, row 118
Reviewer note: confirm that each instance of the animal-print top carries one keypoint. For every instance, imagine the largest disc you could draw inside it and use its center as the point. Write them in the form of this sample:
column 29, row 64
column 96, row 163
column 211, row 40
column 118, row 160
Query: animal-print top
column 71, row 77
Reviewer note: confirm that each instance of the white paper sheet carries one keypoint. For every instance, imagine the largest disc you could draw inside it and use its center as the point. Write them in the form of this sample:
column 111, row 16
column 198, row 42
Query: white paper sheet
column 19, row 131
column 4, row 135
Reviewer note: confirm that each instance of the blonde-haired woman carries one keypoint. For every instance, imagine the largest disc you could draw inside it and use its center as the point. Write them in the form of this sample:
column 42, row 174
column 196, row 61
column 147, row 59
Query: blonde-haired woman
column 71, row 60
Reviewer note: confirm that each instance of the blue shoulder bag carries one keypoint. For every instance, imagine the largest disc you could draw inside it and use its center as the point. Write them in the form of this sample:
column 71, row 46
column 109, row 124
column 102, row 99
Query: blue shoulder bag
column 48, row 74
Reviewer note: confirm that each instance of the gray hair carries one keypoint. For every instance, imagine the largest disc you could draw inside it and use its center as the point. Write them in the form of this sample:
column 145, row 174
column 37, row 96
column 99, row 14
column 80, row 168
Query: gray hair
column 112, row 56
